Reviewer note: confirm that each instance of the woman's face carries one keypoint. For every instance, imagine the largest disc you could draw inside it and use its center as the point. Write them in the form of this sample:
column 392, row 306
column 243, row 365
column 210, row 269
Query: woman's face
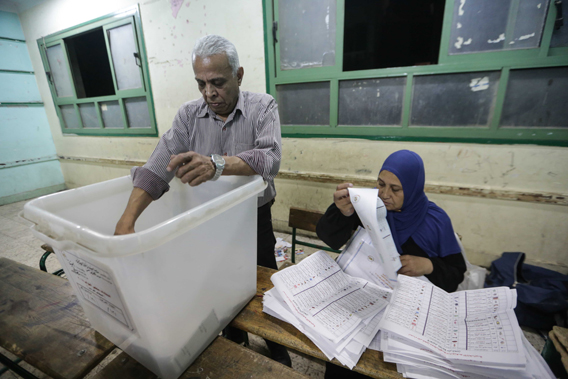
column 390, row 190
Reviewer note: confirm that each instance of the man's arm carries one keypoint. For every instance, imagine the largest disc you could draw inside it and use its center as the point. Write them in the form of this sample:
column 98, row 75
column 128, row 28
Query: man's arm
column 194, row 168
column 139, row 200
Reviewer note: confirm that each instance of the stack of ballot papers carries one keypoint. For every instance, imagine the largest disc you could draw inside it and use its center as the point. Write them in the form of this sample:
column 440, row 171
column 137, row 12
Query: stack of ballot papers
column 430, row 333
column 338, row 312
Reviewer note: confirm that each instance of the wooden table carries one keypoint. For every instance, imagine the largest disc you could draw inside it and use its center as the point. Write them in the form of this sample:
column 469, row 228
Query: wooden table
column 251, row 319
column 42, row 322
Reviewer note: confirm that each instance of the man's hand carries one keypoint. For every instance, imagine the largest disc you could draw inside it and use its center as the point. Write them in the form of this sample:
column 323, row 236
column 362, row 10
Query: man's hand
column 342, row 200
column 138, row 201
column 123, row 228
column 415, row 266
column 193, row 168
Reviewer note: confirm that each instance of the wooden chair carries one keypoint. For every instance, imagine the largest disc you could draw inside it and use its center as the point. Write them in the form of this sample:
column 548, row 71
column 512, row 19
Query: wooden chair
column 305, row 219
column 48, row 250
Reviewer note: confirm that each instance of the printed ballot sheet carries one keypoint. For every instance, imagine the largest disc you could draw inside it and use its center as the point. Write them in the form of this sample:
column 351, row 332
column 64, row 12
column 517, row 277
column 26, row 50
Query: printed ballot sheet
column 476, row 325
column 372, row 213
column 360, row 259
column 326, row 299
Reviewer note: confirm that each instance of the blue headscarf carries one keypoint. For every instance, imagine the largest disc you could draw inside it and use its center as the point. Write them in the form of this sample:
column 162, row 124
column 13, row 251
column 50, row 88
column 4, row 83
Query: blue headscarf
column 428, row 225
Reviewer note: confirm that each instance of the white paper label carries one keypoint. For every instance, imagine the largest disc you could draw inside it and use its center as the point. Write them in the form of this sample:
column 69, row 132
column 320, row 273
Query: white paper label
column 95, row 286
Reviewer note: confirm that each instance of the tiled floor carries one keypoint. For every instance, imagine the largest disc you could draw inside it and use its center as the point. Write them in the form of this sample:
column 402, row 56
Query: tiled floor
column 19, row 244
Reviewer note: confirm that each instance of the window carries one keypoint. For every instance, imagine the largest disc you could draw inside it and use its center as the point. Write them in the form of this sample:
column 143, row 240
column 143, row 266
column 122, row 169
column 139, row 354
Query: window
column 481, row 71
column 98, row 75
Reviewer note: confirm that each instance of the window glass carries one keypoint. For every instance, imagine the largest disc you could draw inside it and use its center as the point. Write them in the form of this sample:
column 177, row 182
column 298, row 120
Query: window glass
column 371, row 101
column 529, row 24
column 536, row 97
column 307, row 33
column 137, row 112
column 70, row 116
column 58, row 70
column 454, row 99
column 123, row 50
column 89, row 115
column 303, row 104
column 112, row 116
column 560, row 34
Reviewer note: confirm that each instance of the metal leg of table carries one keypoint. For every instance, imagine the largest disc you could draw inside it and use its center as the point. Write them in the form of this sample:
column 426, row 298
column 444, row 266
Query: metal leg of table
column 17, row 369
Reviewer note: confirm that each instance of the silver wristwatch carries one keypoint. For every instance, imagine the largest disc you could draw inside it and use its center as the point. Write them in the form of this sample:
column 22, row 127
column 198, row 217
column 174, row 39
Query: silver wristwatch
column 219, row 163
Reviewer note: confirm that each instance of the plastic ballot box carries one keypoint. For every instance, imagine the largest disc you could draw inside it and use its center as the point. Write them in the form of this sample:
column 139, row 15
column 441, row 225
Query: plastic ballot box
column 165, row 292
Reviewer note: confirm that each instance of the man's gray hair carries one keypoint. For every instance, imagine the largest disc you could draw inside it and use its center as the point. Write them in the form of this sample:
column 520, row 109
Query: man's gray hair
column 213, row 45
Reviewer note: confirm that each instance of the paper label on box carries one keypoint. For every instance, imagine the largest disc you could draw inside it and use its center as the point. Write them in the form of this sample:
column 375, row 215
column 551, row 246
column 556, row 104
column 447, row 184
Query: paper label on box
column 96, row 286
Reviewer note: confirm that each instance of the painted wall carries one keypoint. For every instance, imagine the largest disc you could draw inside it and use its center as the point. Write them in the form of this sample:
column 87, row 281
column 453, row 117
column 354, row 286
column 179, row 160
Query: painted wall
column 489, row 227
column 28, row 163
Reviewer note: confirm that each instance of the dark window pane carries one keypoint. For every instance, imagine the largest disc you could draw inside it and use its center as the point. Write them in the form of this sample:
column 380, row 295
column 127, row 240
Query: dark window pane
column 478, row 25
column 90, row 64
column 303, row 104
column 371, row 101
column 528, row 24
column 560, row 35
column 454, row 99
column 536, row 97
column 383, row 33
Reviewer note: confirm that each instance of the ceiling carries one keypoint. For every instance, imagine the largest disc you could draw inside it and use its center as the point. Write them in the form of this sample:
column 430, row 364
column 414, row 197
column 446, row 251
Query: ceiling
column 18, row 6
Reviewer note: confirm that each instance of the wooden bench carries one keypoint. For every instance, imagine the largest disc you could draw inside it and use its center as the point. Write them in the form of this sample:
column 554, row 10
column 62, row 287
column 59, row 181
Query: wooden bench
column 253, row 320
column 305, row 219
column 42, row 323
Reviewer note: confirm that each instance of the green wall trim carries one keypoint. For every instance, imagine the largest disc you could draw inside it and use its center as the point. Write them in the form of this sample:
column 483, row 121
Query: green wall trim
column 31, row 194
column 12, row 39
column 21, row 104
column 490, row 141
column 18, row 72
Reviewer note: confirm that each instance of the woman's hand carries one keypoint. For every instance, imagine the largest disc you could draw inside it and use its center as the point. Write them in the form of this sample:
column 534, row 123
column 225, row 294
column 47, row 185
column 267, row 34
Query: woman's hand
column 342, row 200
column 415, row 266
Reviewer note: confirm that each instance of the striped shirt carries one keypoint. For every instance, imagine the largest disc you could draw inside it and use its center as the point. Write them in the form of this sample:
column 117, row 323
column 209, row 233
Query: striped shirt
column 251, row 132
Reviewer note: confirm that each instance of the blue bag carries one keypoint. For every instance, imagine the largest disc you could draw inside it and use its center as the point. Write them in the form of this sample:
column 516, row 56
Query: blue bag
column 542, row 294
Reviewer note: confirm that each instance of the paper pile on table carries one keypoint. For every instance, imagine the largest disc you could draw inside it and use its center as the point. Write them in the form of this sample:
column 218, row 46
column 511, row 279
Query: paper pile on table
column 338, row 312
column 430, row 333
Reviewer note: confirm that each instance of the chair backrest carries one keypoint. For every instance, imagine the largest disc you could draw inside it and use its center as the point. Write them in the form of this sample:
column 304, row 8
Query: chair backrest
column 304, row 219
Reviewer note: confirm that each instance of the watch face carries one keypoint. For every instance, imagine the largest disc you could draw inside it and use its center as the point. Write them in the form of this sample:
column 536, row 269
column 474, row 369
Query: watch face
column 218, row 160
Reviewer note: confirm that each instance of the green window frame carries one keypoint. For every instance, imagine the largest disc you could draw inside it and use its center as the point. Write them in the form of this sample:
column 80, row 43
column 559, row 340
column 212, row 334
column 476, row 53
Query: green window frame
column 503, row 62
column 120, row 101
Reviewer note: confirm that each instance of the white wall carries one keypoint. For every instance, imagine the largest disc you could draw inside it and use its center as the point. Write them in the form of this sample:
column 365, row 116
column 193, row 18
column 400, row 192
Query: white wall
column 169, row 41
column 489, row 227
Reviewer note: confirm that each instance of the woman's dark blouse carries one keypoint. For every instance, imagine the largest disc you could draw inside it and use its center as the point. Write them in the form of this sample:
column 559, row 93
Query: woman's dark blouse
column 335, row 229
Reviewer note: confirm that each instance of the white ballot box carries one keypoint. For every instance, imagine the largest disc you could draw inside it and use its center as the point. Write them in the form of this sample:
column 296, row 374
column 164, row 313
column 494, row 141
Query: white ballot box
column 165, row 292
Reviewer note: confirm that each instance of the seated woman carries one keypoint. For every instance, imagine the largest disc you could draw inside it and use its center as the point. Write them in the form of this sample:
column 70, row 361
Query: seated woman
column 421, row 230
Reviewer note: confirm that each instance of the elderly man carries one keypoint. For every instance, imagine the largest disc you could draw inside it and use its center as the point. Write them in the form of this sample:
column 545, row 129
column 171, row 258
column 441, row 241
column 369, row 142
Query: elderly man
column 227, row 132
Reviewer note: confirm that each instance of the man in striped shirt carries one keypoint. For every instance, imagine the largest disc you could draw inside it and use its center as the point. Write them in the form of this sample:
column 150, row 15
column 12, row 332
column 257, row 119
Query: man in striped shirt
column 227, row 132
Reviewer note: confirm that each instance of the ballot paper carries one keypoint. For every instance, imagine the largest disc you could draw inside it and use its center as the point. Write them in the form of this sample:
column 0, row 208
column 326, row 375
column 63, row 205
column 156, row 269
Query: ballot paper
column 372, row 213
column 360, row 259
column 475, row 326
column 339, row 313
